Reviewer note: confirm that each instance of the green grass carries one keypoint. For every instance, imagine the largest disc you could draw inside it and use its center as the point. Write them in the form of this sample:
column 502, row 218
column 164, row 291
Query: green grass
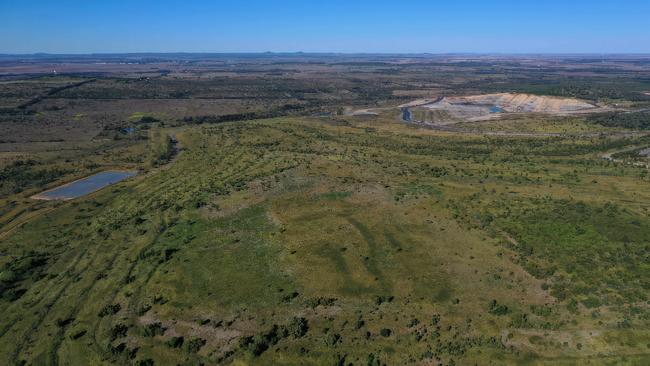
column 300, row 241
column 601, row 249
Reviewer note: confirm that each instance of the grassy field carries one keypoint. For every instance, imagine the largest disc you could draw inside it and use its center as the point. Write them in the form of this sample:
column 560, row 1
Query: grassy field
column 542, row 125
column 338, row 240
column 269, row 225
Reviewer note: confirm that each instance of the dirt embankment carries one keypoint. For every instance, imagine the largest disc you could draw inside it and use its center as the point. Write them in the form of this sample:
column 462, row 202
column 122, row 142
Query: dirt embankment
column 488, row 106
column 527, row 103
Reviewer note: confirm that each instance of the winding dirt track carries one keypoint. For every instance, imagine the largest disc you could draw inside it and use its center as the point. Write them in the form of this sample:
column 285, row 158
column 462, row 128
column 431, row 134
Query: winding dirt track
column 20, row 221
column 610, row 156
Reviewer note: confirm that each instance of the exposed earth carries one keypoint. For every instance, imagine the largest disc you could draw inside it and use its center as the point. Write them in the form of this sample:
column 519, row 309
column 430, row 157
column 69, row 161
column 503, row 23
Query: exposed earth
column 488, row 106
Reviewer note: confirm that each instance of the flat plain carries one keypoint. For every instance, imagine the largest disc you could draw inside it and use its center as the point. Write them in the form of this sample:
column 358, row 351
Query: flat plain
column 326, row 210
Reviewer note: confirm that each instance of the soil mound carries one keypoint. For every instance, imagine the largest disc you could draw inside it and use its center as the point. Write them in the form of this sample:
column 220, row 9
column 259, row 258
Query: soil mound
column 510, row 102
column 477, row 107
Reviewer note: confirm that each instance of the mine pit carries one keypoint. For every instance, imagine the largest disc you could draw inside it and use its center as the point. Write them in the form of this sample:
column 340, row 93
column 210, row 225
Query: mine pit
column 489, row 106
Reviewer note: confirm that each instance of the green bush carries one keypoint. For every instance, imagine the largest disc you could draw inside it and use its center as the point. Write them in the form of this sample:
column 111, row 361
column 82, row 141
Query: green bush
column 195, row 344
column 298, row 327
column 176, row 342
column 631, row 120
column 385, row 332
column 110, row 309
column 153, row 329
column 498, row 309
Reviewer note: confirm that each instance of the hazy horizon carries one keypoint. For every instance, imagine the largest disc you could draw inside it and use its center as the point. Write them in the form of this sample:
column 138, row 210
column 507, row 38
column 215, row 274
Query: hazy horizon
column 364, row 27
column 325, row 53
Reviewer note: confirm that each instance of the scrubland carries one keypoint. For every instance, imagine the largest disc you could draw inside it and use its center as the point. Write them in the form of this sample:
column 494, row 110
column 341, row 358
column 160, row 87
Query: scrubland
column 308, row 236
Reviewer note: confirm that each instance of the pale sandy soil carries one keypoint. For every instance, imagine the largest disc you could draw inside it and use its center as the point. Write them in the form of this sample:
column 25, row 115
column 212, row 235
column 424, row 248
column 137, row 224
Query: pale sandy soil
column 511, row 102
column 364, row 112
column 419, row 102
column 482, row 107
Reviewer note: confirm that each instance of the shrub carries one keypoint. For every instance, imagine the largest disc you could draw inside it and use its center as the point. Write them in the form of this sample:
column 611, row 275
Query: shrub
column 145, row 362
column 635, row 120
column 332, row 339
column 259, row 343
column 110, row 310
column 117, row 349
column 324, row 301
column 382, row 299
column 154, row 329
column 176, row 342
column 148, row 119
column 498, row 309
column 298, row 327
column 360, row 323
column 119, row 331
column 591, row 302
column 144, row 309
column 373, row 360
column 195, row 344
column 78, row 334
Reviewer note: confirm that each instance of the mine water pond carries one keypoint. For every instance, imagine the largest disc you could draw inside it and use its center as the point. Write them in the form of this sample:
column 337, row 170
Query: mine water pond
column 406, row 115
column 84, row 186
column 496, row 109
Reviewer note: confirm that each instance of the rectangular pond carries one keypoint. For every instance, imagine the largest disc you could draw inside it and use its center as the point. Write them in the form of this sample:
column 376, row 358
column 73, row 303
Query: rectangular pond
column 84, row 186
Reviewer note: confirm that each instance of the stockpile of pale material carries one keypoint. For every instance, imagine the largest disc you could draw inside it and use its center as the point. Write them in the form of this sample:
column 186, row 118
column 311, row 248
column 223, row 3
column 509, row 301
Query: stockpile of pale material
column 477, row 107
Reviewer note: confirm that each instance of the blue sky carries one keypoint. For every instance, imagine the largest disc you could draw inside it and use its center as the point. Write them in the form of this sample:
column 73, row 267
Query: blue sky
column 541, row 26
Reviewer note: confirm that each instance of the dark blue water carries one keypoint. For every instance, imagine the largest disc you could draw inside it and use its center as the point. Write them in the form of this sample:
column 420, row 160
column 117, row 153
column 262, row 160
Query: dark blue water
column 406, row 115
column 496, row 109
column 86, row 185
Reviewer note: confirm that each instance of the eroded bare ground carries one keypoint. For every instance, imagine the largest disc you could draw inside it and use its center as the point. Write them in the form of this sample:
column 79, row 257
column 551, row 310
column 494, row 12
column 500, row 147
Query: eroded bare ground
column 448, row 110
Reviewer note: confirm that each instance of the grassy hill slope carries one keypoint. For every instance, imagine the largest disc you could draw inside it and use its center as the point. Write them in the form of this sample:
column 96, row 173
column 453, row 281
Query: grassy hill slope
column 303, row 241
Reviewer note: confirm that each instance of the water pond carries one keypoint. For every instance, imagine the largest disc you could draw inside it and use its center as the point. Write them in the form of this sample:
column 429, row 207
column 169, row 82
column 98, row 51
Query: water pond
column 84, row 186
column 406, row 115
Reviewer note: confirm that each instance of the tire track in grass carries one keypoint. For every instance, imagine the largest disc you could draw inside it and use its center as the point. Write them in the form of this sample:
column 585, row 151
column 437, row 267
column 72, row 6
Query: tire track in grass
column 237, row 172
column 351, row 285
column 58, row 339
column 136, row 295
column 69, row 269
column 141, row 252
column 10, row 325
column 43, row 314
column 185, row 180
column 371, row 263
column 18, row 222
column 135, row 263
column 37, row 324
